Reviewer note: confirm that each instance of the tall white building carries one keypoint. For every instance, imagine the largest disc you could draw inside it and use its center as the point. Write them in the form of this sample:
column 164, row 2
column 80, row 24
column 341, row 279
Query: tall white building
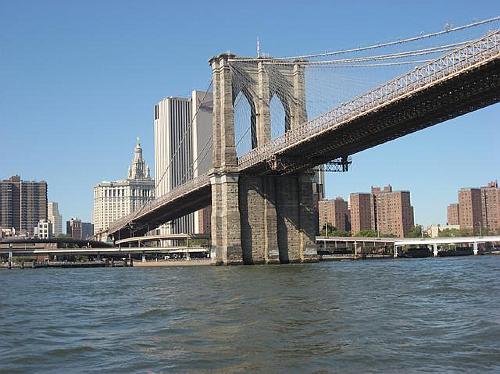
column 54, row 217
column 182, row 132
column 113, row 200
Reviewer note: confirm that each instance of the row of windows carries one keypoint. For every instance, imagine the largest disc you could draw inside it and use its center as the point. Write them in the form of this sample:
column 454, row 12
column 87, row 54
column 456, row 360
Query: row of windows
column 123, row 193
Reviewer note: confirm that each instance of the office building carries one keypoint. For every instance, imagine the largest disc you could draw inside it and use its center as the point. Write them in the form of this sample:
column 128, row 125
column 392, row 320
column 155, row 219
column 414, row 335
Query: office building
column 22, row 204
column 113, row 200
column 55, row 218
column 334, row 212
column 182, row 151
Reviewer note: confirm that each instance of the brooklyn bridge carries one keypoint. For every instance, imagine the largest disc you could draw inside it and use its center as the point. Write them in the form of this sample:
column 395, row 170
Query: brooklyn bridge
column 262, row 201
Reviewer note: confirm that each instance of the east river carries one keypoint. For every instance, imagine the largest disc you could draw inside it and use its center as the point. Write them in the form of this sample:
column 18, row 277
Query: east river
column 414, row 315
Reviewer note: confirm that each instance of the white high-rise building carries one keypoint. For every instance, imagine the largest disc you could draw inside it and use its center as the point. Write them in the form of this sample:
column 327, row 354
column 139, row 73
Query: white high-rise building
column 113, row 200
column 182, row 132
column 55, row 218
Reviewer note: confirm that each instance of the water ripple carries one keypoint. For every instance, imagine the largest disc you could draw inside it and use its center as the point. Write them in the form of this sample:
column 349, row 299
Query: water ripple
column 425, row 315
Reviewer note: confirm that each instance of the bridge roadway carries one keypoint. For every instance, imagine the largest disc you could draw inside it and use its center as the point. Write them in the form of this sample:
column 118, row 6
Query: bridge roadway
column 398, row 243
column 462, row 81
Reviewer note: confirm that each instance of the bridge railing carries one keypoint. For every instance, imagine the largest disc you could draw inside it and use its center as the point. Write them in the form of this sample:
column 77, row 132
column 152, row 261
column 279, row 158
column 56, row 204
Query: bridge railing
column 193, row 184
column 458, row 60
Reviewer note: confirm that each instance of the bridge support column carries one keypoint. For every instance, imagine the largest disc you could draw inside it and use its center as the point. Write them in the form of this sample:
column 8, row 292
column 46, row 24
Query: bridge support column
column 296, row 223
column 226, row 231
column 435, row 250
column 259, row 241
column 268, row 219
column 277, row 219
column 475, row 249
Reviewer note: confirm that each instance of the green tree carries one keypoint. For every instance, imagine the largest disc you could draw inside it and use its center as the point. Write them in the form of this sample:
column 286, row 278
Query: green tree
column 367, row 233
column 329, row 230
column 451, row 233
column 417, row 231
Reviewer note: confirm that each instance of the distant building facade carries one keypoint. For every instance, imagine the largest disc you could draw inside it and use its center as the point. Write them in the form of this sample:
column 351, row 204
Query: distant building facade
column 361, row 212
column 470, row 214
column 383, row 210
column 479, row 208
column 43, row 229
column 54, row 217
column 87, row 230
column 490, row 206
column 392, row 211
column 74, row 228
column 113, row 200
column 453, row 214
column 334, row 212
column 22, row 204
column 182, row 127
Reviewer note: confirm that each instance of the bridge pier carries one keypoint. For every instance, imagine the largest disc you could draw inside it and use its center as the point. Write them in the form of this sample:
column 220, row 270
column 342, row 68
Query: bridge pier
column 263, row 220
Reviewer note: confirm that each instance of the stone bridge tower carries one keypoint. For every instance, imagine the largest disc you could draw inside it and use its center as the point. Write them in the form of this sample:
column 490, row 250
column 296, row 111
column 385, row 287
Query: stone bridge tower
column 255, row 218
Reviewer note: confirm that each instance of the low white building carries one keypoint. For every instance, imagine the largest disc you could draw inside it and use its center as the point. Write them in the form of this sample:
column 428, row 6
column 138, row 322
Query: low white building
column 43, row 230
column 113, row 200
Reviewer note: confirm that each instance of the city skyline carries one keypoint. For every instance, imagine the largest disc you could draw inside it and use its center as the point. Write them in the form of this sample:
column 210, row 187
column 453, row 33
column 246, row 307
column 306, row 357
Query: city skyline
column 78, row 106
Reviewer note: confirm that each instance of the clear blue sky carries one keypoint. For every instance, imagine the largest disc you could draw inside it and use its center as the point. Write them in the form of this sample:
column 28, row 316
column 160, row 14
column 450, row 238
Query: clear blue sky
column 78, row 82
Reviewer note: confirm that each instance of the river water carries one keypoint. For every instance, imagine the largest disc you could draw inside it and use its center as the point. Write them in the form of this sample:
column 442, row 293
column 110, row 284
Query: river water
column 415, row 315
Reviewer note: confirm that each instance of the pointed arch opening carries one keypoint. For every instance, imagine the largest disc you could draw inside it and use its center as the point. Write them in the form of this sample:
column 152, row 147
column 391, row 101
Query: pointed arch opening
column 279, row 117
column 245, row 137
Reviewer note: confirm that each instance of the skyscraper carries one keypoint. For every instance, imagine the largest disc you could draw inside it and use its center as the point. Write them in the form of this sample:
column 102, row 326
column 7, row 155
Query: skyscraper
column 22, row 204
column 113, row 200
column 55, row 218
column 182, row 132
